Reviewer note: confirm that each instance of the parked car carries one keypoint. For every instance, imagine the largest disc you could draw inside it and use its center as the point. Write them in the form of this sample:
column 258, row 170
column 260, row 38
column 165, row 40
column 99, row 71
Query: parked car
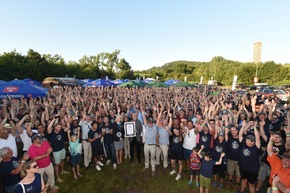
column 266, row 92
column 241, row 92
column 282, row 95
column 285, row 87
column 241, row 86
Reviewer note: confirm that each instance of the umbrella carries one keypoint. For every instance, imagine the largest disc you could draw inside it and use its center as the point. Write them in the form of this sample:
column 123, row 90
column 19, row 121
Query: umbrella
column 158, row 84
column 2, row 81
column 183, row 84
column 30, row 81
column 18, row 89
column 99, row 82
column 117, row 81
column 83, row 81
column 171, row 81
column 132, row 84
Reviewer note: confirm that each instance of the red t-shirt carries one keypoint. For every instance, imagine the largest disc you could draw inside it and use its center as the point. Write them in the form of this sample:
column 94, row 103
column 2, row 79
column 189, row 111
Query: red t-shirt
column 195, row 162
column 35, row 151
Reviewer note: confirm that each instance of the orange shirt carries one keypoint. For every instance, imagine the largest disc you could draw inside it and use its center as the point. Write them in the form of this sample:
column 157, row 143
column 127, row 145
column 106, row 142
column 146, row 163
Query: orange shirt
column 277, row 168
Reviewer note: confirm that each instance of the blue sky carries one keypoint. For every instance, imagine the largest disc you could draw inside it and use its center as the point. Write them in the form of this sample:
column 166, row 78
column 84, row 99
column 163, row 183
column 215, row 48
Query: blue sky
column 148, row 33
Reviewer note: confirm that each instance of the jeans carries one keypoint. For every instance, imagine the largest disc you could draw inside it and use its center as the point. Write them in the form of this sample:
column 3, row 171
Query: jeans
column 110, row 151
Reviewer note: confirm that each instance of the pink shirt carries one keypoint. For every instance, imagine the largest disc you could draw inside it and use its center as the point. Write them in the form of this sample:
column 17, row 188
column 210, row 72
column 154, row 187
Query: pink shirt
column 35, row 151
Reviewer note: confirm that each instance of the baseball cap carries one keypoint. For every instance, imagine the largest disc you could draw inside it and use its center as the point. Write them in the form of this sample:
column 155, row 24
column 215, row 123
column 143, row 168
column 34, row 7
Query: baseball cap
column 251, row 138
column 35, row 136
column 286, row 155
column 150, row 120
column 221, row 134
column 7, row 125
column 262, row 113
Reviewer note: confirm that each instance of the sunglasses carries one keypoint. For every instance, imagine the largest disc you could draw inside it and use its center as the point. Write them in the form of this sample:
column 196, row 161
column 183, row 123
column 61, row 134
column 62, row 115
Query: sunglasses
column 35, row 166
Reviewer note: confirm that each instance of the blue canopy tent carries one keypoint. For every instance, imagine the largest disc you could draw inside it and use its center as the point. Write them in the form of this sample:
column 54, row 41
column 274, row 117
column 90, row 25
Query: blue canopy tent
column 30, row 81
column 99, row 82
column 83, row 81
column 171, row 81
column 117, row 81
column 18, row 89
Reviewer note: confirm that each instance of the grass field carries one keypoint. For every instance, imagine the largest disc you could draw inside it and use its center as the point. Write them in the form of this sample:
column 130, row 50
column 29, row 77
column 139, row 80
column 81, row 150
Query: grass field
column 128, row 178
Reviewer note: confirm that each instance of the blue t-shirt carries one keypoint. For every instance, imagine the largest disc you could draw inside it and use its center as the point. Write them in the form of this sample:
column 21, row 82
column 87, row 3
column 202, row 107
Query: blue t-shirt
column 33, row 187
column 74, row 148
column 6, row 168
column 207, row 167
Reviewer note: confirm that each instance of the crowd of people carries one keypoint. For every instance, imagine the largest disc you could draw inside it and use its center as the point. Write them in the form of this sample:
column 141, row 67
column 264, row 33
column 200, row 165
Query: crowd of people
column 215, row 138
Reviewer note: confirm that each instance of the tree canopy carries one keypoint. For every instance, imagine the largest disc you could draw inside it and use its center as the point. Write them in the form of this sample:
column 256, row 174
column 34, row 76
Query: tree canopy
column 36, row 66
column 222, row 70
column 33, row 65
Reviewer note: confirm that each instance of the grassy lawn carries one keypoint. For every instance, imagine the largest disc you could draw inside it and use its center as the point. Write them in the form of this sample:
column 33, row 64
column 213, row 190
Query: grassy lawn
column 127, row 178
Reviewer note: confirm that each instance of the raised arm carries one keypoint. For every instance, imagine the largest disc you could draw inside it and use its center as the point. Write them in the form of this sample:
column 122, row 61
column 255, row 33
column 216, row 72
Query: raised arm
column 199, row 152
column 221, row 159
column 257, row 137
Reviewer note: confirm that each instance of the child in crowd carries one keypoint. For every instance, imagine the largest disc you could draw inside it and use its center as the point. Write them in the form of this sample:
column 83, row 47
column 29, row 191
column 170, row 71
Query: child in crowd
column 74, row 149
column 207, row 164
column 195, row 165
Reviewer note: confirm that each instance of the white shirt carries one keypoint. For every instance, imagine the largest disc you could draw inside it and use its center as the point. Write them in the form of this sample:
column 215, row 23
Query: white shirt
column 86, row 126
column 189, row 141
column 26, row 140
column 9, row 142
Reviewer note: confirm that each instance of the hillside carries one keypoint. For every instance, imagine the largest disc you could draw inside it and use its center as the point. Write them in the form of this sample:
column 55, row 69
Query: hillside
column 221, row 70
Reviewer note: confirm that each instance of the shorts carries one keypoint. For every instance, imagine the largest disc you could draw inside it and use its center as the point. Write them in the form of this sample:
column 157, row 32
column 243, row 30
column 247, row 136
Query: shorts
column 250, row 176
column 75, row 160
column 176, row 155
column 264, row 171
column 204, row 181
column 220, row 170
column 187, row 153
column 233, row 167
column 66, row 145
column 97, row 151
column 194, row 172
column 58, row 156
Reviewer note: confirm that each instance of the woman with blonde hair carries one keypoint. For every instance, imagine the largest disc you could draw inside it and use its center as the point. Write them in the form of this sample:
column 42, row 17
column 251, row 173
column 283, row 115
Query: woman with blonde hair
column 118, row 132
column 32, row 181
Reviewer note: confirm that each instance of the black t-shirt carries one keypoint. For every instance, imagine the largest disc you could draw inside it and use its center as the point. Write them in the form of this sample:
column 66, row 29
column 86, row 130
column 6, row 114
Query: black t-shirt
column 6, row 168
column 233, row 148
column 118, row 131
column 249, row 158
column 205, row 139
column 218, row 148
column 57, row 140
column 108, row 138
column 74, row 131
column 278, row 150
column 176, row 143
column 91, row 135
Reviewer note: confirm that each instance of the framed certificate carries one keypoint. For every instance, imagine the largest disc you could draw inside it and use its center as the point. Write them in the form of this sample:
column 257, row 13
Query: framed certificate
column 130, row 129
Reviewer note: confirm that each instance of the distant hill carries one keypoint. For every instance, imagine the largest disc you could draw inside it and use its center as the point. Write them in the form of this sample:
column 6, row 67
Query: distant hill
column 221, row 70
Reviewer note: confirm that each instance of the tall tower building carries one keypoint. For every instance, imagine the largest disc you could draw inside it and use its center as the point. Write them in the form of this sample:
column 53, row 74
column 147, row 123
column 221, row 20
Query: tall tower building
column 257, row 52
column 257, row 58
